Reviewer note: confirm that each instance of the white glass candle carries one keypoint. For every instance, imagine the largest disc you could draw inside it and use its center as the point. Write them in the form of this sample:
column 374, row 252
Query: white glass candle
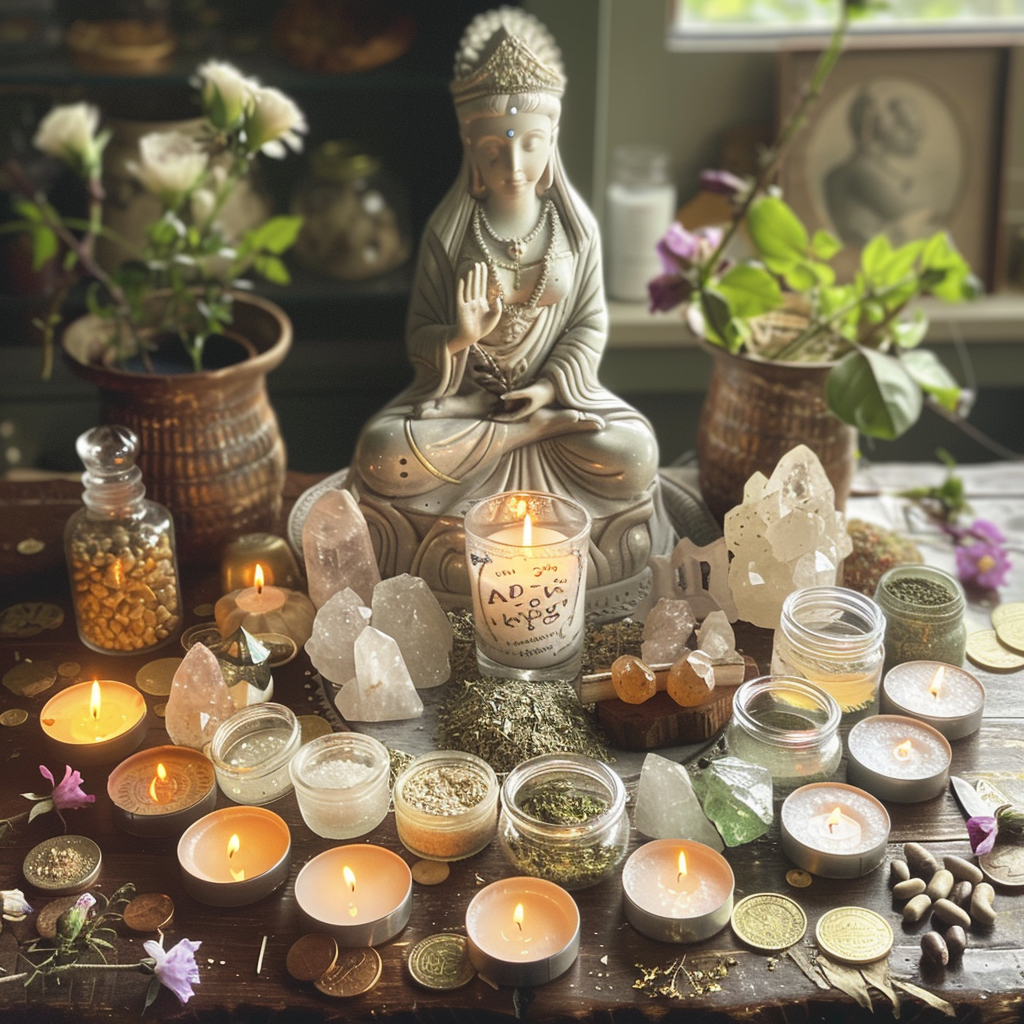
column 94, row 723
column 341, row 783
column 527, row 559
column 898, row 758
column 946, row 697
column 677, row 890
column 834, row 830
column 522, row 931
column 360, row 893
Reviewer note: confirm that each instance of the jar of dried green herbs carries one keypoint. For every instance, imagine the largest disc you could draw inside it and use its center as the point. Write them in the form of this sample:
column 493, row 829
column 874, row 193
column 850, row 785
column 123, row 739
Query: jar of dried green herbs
column 924, row 615
column 563, row 818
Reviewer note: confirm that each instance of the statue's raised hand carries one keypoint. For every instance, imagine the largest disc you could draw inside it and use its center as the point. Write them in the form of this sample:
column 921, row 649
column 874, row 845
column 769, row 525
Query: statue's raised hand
column 476, row 311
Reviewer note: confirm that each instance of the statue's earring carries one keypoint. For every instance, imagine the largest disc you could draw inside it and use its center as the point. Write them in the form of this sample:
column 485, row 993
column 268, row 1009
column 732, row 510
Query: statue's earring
column 477, row 187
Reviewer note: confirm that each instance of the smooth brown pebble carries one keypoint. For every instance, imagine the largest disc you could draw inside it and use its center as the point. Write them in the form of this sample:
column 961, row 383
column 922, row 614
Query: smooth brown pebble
column 908, row 889
column 961, row 894
column 634, row 681
column 950, row 913
column 963, row 870
column 919, row 860
column 983, row 913
column 956, row 941
column 916, row 908
column 941, row 884
column 430, row 872
column 898, row 871
column 933, row 945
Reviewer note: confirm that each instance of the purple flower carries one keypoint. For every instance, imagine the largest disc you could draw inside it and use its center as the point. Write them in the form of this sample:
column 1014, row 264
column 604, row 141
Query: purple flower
column 67, row 794
column 176, row 967
column 981, row 830
column 983, row 562
column 984, row 529
column 71, row 922
column 723, row 183
column 681, row 248
column 668, row 291
column 15, row 906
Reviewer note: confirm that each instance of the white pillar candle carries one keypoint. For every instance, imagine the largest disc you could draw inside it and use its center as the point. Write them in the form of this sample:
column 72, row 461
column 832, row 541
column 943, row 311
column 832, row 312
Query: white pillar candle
column 946, row 697
column 898, row 758
column 834, row 830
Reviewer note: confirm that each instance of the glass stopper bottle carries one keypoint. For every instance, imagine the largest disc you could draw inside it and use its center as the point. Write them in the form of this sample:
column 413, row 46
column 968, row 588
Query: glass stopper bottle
column 120, row 551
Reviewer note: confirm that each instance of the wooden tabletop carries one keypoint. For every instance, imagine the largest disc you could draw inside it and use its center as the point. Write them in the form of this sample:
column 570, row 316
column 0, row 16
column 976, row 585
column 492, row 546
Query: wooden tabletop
column 988, row 985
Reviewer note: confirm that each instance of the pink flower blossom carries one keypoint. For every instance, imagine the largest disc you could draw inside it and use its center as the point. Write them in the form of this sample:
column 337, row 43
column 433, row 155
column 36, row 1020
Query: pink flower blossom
column 67, row 794
column 981, row 830
column 980, row 555
column 667, row 291
column 723, row 183
column 176, row 967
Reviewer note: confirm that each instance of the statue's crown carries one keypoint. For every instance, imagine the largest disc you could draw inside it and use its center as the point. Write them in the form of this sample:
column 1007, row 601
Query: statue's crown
column 512, row 69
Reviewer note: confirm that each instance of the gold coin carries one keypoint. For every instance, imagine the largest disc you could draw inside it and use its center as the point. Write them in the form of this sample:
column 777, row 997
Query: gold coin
column 854, row 935
column 203, row 611
column 798, row 878
column 155, row 677
column 356, row 972
column 28, row 678
column 14, row 716
column 1009, row 622
column 201, row 633
column 46, row 919
column 68, row 669
column 160, row 710
column 63, row 865
column 30, row 618
column 312, row 956
column 430, row 872
column 30, row 546
column 984, row 649
column 441, row 962
column 282, row 648
column 768, row 921
column 311, row 726
column 149, row 912
column 1005, row 612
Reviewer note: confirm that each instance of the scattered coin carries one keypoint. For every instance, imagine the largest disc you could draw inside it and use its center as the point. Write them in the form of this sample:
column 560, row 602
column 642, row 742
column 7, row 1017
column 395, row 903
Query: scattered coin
column 28, row 678
column 441, row 962
column 356, row 972
column 63, row 865
column 149, row 912
column 430, row 872
column 311, row 726
column 30, row 546
column 14, row 716
column 282, row 648
column 46, row 919
column 1009, row 622
column 202, row 633
column 68, row 669
column 203, row 611
column 312, row 956
column 30, row 618
column 1005, row 612
column 798, row 878
column 768, row 921
column 155, row 677
column 984, row 649
column 854, row 935
column 160, row 710
column 1004, row 864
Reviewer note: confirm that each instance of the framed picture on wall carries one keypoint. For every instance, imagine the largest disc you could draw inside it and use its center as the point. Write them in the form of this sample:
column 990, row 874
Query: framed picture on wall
column 905, row 142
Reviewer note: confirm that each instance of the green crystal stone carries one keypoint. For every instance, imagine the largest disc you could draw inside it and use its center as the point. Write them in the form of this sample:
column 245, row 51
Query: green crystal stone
column 736, row 796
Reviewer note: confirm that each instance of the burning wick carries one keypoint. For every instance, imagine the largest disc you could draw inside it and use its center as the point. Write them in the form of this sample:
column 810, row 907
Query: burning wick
column 94, row 702
column 936, row 686
column 350, row 881
column 527, row 530
column 517, row 916
column 234, row 845
column 834, row 819
column 903, row 751
column 160, row 779
column 682, row 866
column 257, row 578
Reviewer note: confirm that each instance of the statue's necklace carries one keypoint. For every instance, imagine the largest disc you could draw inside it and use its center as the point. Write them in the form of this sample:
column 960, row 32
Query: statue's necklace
column 516, row 247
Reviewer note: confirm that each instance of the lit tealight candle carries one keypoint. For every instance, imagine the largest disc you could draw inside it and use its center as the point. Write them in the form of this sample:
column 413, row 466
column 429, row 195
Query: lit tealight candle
column 522, row 931
column 898, row 758
column 945, row 697
column 94, row 723
column 360, row 893
column 234, row 856
column 677, row 890
column 161, row 791
column 834, row 830
column 263, row 608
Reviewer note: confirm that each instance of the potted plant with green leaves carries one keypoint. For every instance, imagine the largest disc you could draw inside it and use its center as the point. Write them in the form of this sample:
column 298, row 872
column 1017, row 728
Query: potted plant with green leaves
column 176, row 342
column 799, row 356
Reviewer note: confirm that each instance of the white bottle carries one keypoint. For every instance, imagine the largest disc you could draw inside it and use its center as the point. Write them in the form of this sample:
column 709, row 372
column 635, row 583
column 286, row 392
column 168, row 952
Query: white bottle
column 641, row 205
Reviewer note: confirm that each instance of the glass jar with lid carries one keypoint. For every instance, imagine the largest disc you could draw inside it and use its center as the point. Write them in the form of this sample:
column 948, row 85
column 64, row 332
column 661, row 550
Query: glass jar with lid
column 251, row 752
column 790, row 726
column 564, row 818
column 833, row 637
column 356, row 222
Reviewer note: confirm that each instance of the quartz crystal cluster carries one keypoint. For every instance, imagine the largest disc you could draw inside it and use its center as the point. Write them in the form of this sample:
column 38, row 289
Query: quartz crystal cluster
column 199, row 699
column 785, row 535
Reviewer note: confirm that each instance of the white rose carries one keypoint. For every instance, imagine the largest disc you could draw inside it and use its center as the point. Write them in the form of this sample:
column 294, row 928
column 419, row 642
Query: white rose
column 69, row 132
column 274, row 120
column 170, row 163
column 202, row 204
column 235, row 89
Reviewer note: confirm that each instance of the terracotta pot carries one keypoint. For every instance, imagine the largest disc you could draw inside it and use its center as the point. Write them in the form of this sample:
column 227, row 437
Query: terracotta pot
column 756, row 411
column 211, row 450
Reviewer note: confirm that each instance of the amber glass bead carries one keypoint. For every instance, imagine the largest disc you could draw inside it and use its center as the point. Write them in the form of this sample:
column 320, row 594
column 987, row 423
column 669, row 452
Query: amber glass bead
column 634, row 682
column 685, row 686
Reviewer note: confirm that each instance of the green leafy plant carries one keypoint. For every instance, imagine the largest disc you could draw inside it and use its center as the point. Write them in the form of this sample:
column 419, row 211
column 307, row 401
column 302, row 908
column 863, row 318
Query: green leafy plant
column 868, row 327
column 186, row 255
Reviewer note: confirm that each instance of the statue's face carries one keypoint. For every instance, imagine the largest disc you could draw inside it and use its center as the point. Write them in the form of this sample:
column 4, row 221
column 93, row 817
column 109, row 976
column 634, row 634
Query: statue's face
column 511, row 151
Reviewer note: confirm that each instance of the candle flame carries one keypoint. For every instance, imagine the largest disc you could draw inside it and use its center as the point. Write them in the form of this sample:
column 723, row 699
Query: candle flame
column 95, row 701
column 238, row 874
column 350, row 878
column 161, row 778
column 682, row 865
column 257, row 578
column 834, row 818
column 902, row 751
column 936, row 686
column 517, row 916
column 527, row 530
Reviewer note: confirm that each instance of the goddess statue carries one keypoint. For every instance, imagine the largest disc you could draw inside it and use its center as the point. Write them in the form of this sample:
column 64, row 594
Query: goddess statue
column 506, row 328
